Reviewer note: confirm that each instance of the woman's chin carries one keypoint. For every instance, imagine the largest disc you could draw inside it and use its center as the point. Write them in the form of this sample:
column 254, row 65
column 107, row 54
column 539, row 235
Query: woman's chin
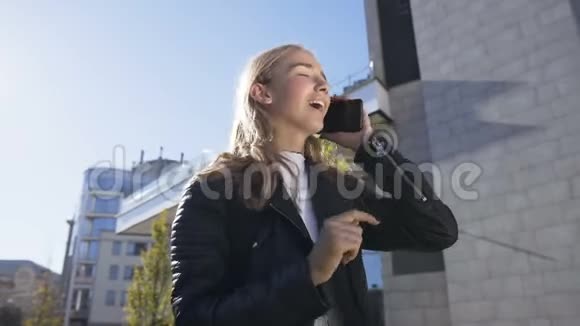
column 314, row 127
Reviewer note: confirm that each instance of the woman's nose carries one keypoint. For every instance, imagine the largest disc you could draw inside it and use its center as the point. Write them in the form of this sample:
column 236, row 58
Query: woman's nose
column 322, row 86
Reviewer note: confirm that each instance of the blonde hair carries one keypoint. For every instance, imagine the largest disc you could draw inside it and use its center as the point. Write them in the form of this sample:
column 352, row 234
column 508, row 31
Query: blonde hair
column 252, row 135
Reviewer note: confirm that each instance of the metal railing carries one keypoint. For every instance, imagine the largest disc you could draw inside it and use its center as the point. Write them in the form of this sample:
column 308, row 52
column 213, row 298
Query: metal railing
column 352, row 80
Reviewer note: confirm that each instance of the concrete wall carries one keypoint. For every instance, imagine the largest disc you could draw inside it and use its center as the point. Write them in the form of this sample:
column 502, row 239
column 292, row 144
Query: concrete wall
column 420, row 298
column 501, row 89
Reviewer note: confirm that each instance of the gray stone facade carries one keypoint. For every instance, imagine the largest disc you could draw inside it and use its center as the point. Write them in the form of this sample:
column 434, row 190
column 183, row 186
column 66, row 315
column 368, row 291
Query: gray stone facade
column 428, row 291
column 500, row 88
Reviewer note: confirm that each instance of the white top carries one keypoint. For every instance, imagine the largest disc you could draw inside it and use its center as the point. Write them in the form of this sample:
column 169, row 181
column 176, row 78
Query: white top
column 303, row 198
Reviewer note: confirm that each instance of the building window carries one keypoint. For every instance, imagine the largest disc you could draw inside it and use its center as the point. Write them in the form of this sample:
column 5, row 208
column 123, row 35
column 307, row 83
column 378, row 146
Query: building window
column 404, row 7
column 128, row 273
column 113, row 272
column 6, row 283
column 123, row 298
column 399, row 63
column 134, row 248
column 100, row 225
column 81, row 299
column 117, row 248
column 105, row 179
column 110, row 298
column 89, row 250
column 85, row 270
column 105, row 204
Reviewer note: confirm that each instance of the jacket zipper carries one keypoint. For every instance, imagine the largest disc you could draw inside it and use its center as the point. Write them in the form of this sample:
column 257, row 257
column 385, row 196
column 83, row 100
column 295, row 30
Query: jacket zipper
column 417, row 191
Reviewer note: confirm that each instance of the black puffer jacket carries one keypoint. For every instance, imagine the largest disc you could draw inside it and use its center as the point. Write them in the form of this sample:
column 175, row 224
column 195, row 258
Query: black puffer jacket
column 235, row 266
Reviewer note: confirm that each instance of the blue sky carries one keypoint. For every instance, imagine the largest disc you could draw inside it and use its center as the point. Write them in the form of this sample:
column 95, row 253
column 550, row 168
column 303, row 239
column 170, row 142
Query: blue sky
column 79, row 78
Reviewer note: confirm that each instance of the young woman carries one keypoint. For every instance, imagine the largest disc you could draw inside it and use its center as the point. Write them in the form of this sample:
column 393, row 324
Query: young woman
column 268, row 234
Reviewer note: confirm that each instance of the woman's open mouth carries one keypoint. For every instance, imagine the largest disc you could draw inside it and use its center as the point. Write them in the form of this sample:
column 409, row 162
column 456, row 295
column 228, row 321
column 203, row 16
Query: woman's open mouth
column 316, row 104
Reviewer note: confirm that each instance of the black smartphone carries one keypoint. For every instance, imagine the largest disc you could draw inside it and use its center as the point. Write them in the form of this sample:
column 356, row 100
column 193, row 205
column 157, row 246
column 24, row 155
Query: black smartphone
column 344, row 115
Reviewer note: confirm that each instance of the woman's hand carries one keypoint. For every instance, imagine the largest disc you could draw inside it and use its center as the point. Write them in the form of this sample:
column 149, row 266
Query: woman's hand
column 351, row 140
column 340, row 240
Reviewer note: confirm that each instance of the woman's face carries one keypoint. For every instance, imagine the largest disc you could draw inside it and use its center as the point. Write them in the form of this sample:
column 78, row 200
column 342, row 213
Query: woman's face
column 299, row 94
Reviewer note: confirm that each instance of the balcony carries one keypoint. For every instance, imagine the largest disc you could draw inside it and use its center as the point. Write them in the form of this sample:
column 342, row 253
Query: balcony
column 354, row 80
column 84, row 280
column 364, row 85
column 79, row 317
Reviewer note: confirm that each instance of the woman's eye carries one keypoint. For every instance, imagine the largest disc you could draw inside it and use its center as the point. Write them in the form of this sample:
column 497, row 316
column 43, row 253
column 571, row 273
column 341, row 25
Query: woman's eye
column 304, row 75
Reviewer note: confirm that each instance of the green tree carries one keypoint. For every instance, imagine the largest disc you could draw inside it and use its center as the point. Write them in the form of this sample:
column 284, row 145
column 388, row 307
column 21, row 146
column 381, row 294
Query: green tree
column 150, row 290
column 45, row 311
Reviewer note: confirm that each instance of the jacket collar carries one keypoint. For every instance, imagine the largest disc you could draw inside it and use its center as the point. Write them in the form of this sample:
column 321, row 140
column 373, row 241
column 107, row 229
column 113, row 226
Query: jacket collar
column 326, row 199
column 282, row 203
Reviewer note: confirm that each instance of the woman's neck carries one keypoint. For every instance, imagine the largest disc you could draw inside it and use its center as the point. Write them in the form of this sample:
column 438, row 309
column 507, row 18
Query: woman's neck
column 290, row 142
column 292, row 149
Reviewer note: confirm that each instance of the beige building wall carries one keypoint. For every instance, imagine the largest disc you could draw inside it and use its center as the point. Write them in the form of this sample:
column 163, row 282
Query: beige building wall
column 101, row 312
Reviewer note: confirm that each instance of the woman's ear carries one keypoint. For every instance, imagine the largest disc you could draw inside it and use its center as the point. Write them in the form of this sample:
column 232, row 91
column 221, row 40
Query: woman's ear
column 261, row 94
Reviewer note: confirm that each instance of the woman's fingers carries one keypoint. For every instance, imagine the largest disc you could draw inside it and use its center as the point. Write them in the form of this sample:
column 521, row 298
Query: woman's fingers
column 356, row 216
